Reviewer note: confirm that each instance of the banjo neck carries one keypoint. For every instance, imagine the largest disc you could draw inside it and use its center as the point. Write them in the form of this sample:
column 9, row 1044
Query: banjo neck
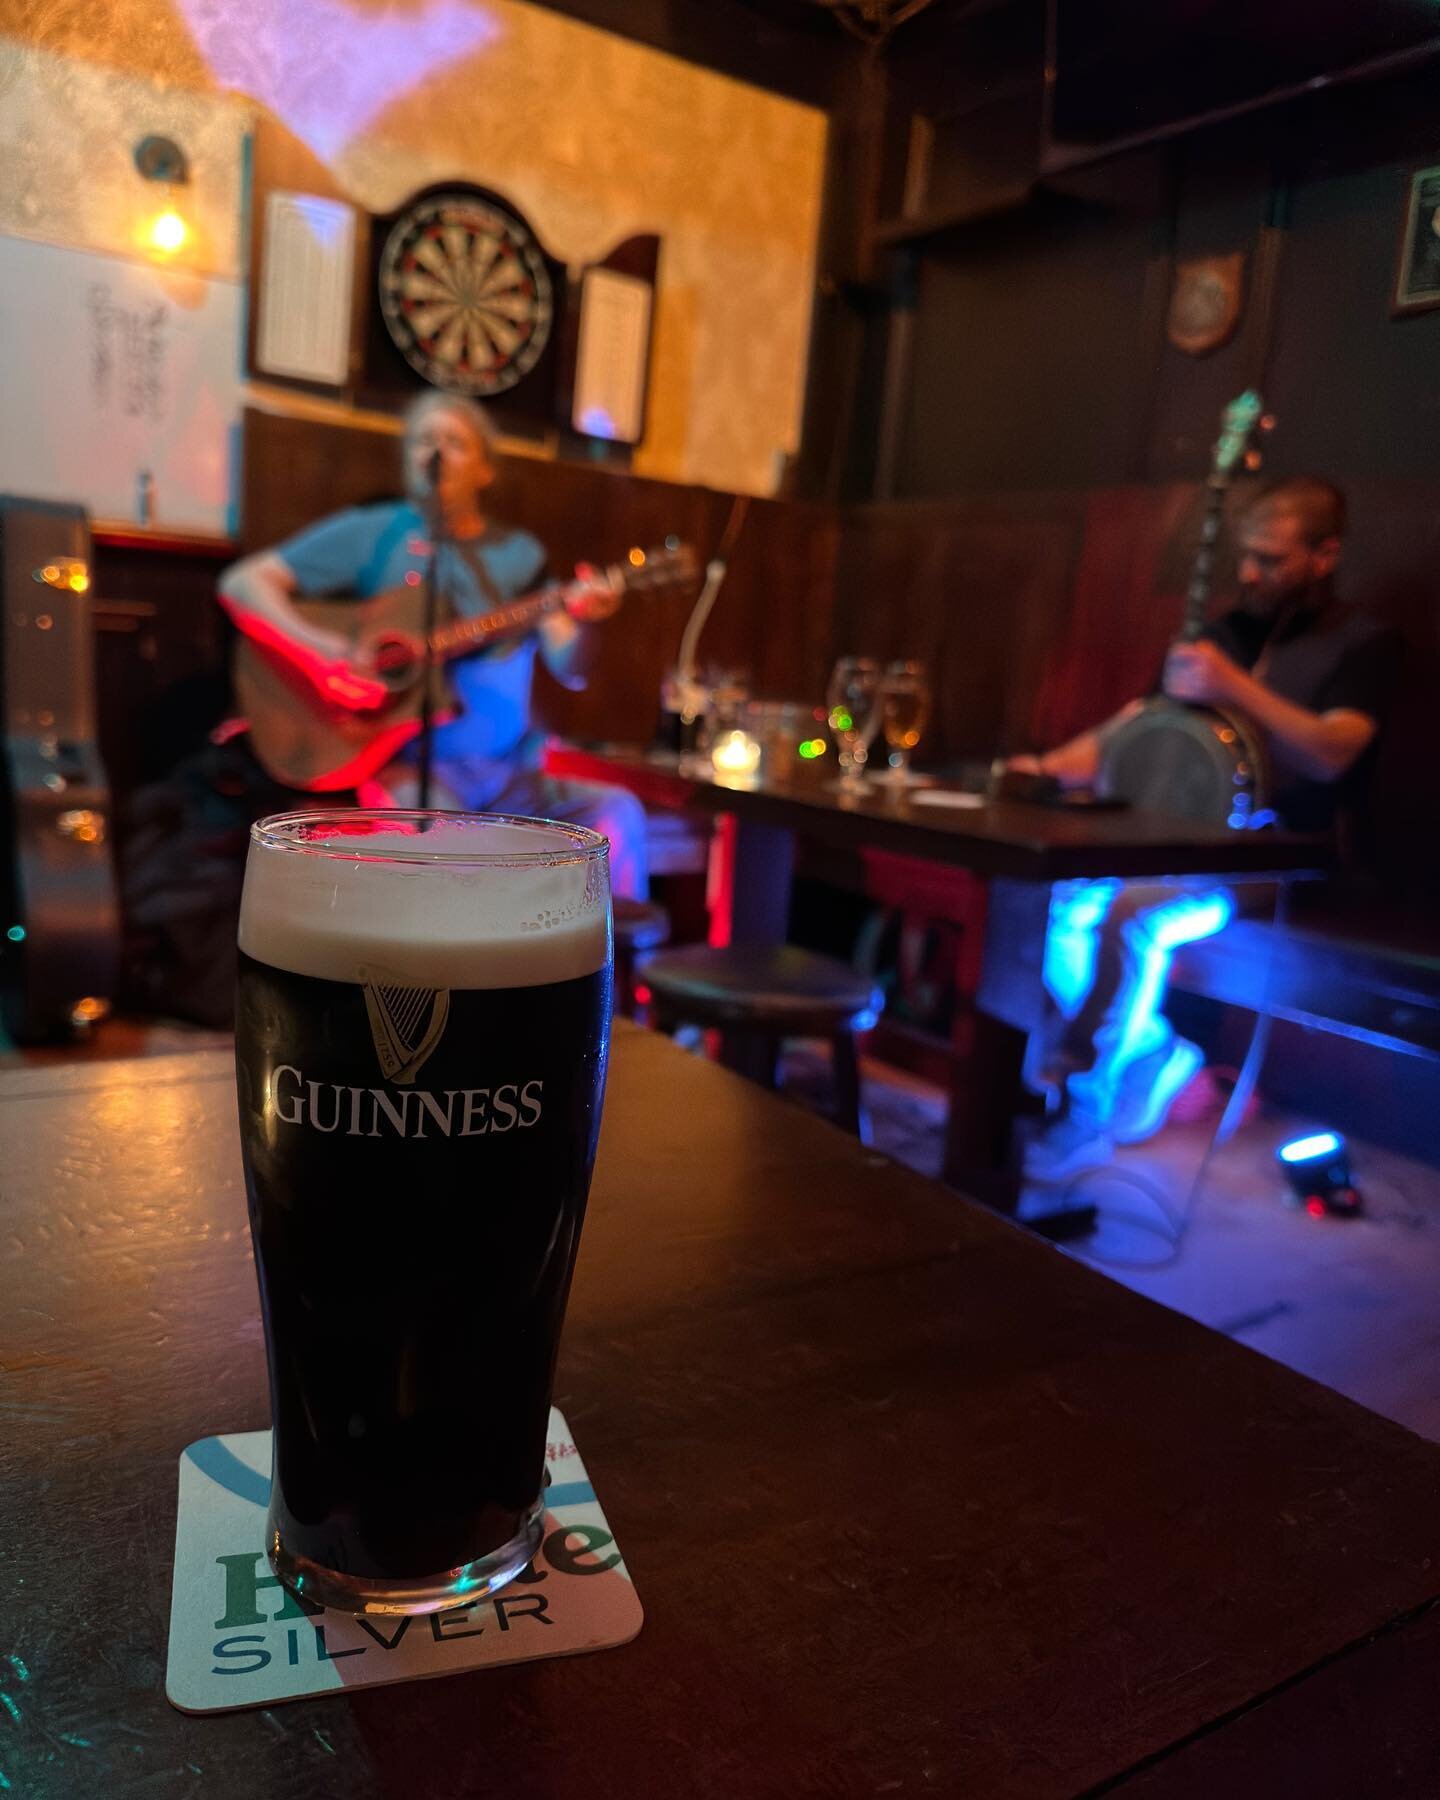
column 1202, row 573
column 1238, row 423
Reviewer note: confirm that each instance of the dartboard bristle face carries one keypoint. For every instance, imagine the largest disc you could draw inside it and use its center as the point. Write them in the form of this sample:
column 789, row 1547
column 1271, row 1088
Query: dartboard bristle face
column 465, row 294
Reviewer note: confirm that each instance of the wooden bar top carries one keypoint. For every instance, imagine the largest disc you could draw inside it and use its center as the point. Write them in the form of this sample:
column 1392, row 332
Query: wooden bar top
column 914, row 1503
column 1009, row 838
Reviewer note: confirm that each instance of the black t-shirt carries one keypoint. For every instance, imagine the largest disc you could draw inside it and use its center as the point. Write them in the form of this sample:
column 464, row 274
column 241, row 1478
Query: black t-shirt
column 1323, row 657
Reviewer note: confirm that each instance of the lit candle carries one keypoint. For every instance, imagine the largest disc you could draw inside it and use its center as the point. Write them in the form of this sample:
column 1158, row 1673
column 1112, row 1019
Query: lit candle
column 735, row 753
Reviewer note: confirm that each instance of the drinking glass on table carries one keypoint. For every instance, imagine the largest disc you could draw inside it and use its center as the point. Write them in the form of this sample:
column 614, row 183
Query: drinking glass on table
column 421, row 1030
column 904, row 714
column 850, row 701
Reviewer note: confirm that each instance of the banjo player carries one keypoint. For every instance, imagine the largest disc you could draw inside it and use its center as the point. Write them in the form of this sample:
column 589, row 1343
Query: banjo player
column 1313, row 676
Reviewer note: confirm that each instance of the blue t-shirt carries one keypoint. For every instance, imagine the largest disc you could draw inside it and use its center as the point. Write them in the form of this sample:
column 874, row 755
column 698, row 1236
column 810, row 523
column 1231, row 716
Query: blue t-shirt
column 367, row 549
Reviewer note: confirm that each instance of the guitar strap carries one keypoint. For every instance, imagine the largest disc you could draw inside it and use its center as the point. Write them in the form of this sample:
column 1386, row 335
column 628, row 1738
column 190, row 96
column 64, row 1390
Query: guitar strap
column 489, row 593
column 493, row 600
column 372, row 576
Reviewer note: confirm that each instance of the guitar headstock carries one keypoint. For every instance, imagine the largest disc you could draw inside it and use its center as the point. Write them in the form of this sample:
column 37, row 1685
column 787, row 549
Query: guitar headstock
column 1238, row 424
column 668, row 565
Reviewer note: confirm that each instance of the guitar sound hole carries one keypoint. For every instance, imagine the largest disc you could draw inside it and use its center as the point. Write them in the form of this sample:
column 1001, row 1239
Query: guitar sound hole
column 395, row 662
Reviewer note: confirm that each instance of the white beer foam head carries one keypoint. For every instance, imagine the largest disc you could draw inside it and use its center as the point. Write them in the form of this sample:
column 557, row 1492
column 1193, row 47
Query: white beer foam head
column 469, row 902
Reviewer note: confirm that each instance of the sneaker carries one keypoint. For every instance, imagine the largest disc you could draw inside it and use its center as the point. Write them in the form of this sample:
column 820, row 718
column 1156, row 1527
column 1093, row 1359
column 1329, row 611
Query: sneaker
column 1148, row 1087
column 1066, row 1149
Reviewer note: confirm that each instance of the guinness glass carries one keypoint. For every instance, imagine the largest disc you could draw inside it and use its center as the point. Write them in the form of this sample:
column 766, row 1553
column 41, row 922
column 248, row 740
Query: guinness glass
column 421, row 1040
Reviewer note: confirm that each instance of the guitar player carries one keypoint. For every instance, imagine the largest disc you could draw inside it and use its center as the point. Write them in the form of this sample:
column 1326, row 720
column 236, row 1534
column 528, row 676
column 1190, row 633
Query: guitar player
column 1314, row 676
column 484, row 756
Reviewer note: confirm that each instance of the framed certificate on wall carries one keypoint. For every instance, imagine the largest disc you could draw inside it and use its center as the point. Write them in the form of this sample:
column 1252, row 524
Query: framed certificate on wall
column 613, row 329
column 1417, row 275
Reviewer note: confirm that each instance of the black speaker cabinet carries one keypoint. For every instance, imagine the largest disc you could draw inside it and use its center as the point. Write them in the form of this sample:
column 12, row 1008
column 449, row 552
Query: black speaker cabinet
column 59, row 918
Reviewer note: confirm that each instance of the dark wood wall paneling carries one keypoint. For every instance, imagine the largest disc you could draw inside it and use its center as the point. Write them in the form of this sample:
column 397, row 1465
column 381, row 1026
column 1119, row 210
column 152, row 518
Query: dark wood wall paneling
column 1039, row 353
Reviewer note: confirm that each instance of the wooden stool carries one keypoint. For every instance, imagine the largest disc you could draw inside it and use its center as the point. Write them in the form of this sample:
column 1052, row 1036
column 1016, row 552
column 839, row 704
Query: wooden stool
column 756, row 996
column 640, row 927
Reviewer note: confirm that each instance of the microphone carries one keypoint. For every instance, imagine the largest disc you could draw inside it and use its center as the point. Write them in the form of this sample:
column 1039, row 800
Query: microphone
column 432, row 471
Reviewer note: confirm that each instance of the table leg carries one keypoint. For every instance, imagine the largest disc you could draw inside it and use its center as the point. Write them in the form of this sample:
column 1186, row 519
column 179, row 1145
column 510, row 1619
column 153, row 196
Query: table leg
column 752, row 869
column 1001, row 1002
column 985, row 1093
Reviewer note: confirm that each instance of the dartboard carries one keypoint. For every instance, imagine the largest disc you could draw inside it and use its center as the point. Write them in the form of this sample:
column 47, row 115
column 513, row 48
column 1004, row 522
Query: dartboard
column 465, row 293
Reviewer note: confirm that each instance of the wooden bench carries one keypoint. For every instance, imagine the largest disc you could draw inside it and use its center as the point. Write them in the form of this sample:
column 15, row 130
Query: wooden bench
column 1369, row 975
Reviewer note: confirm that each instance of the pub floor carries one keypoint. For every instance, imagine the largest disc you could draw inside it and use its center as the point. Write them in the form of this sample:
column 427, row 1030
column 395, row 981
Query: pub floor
column 1352, row 1303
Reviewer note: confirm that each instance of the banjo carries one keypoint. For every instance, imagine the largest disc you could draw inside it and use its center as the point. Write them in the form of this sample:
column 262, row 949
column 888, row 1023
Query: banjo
column 1198, row 762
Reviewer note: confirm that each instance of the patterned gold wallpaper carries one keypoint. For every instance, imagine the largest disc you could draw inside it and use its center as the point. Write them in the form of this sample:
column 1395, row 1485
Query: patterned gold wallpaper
column 592, row 136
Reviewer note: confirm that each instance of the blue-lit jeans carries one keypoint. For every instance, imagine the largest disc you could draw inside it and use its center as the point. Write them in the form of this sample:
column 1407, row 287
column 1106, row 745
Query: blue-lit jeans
column 1108, row 952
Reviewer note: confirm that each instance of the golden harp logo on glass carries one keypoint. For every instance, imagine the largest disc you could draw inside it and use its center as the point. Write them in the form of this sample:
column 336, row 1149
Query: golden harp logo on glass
column 406, row 1023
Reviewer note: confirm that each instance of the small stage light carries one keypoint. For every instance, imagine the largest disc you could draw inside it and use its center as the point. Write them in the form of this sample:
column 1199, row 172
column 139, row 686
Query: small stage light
column 1317, row 1168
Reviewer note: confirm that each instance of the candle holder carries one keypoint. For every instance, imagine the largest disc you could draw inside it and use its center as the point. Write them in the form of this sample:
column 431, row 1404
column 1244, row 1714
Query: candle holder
column 735, row 753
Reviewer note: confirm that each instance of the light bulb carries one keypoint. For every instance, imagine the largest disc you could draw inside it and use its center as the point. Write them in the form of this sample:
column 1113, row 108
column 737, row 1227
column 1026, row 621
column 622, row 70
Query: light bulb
column 168, row 231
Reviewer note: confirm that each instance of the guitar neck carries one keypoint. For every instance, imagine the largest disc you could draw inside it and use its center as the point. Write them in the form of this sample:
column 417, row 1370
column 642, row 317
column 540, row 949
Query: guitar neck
column 460, row 636
column 1197, row 595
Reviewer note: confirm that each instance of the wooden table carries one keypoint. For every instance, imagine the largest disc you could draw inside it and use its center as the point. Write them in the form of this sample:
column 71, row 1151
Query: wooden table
column 1017, row 851
column 915, row 1504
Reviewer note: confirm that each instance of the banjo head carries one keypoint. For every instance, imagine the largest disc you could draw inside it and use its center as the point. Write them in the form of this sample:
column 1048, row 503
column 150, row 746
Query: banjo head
column 1192, row 761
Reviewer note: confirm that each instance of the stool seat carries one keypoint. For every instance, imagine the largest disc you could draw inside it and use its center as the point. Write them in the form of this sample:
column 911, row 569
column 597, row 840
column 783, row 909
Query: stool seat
column 640, row 925
column 777, row 987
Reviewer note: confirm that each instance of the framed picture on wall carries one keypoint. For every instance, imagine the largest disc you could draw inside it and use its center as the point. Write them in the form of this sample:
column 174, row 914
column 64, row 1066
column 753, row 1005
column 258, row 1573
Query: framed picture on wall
column 1417, row 278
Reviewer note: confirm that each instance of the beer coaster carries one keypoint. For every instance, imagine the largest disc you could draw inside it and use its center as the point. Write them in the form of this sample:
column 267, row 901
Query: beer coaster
column 238, row 1639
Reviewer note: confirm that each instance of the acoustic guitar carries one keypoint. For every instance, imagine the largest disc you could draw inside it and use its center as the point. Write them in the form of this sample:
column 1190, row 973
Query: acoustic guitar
column 1198, row 762
column 309, row 734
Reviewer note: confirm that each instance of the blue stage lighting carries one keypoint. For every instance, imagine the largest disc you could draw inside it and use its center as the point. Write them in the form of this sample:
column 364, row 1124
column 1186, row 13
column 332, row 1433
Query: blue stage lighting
column 1317, row 1167
column 1315, row 1148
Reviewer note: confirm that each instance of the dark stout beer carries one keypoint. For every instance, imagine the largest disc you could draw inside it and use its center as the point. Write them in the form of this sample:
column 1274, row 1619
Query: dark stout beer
column 420, row 1043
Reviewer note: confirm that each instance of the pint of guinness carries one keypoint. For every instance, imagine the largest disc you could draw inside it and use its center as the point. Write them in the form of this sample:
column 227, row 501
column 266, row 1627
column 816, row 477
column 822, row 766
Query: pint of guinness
column 421, row 1040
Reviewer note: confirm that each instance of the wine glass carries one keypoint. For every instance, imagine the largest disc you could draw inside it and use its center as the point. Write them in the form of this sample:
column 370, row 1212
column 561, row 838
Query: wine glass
column 904, row 714
column 850, row 703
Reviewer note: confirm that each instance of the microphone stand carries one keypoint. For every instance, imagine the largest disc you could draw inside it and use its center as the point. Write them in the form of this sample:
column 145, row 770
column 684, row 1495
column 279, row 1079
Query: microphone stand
column 691, row 694
column 427, row 658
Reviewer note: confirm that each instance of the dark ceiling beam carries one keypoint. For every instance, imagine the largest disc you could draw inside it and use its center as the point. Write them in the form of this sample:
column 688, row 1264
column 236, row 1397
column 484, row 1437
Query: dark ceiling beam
column 786, row 46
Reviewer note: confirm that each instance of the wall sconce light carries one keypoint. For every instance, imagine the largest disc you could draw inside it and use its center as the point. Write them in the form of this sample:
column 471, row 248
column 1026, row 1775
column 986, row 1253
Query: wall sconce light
column 162, row 159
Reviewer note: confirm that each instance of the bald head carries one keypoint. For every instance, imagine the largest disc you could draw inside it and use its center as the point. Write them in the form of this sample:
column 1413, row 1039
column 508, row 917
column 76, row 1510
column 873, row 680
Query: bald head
column 1317, row 505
